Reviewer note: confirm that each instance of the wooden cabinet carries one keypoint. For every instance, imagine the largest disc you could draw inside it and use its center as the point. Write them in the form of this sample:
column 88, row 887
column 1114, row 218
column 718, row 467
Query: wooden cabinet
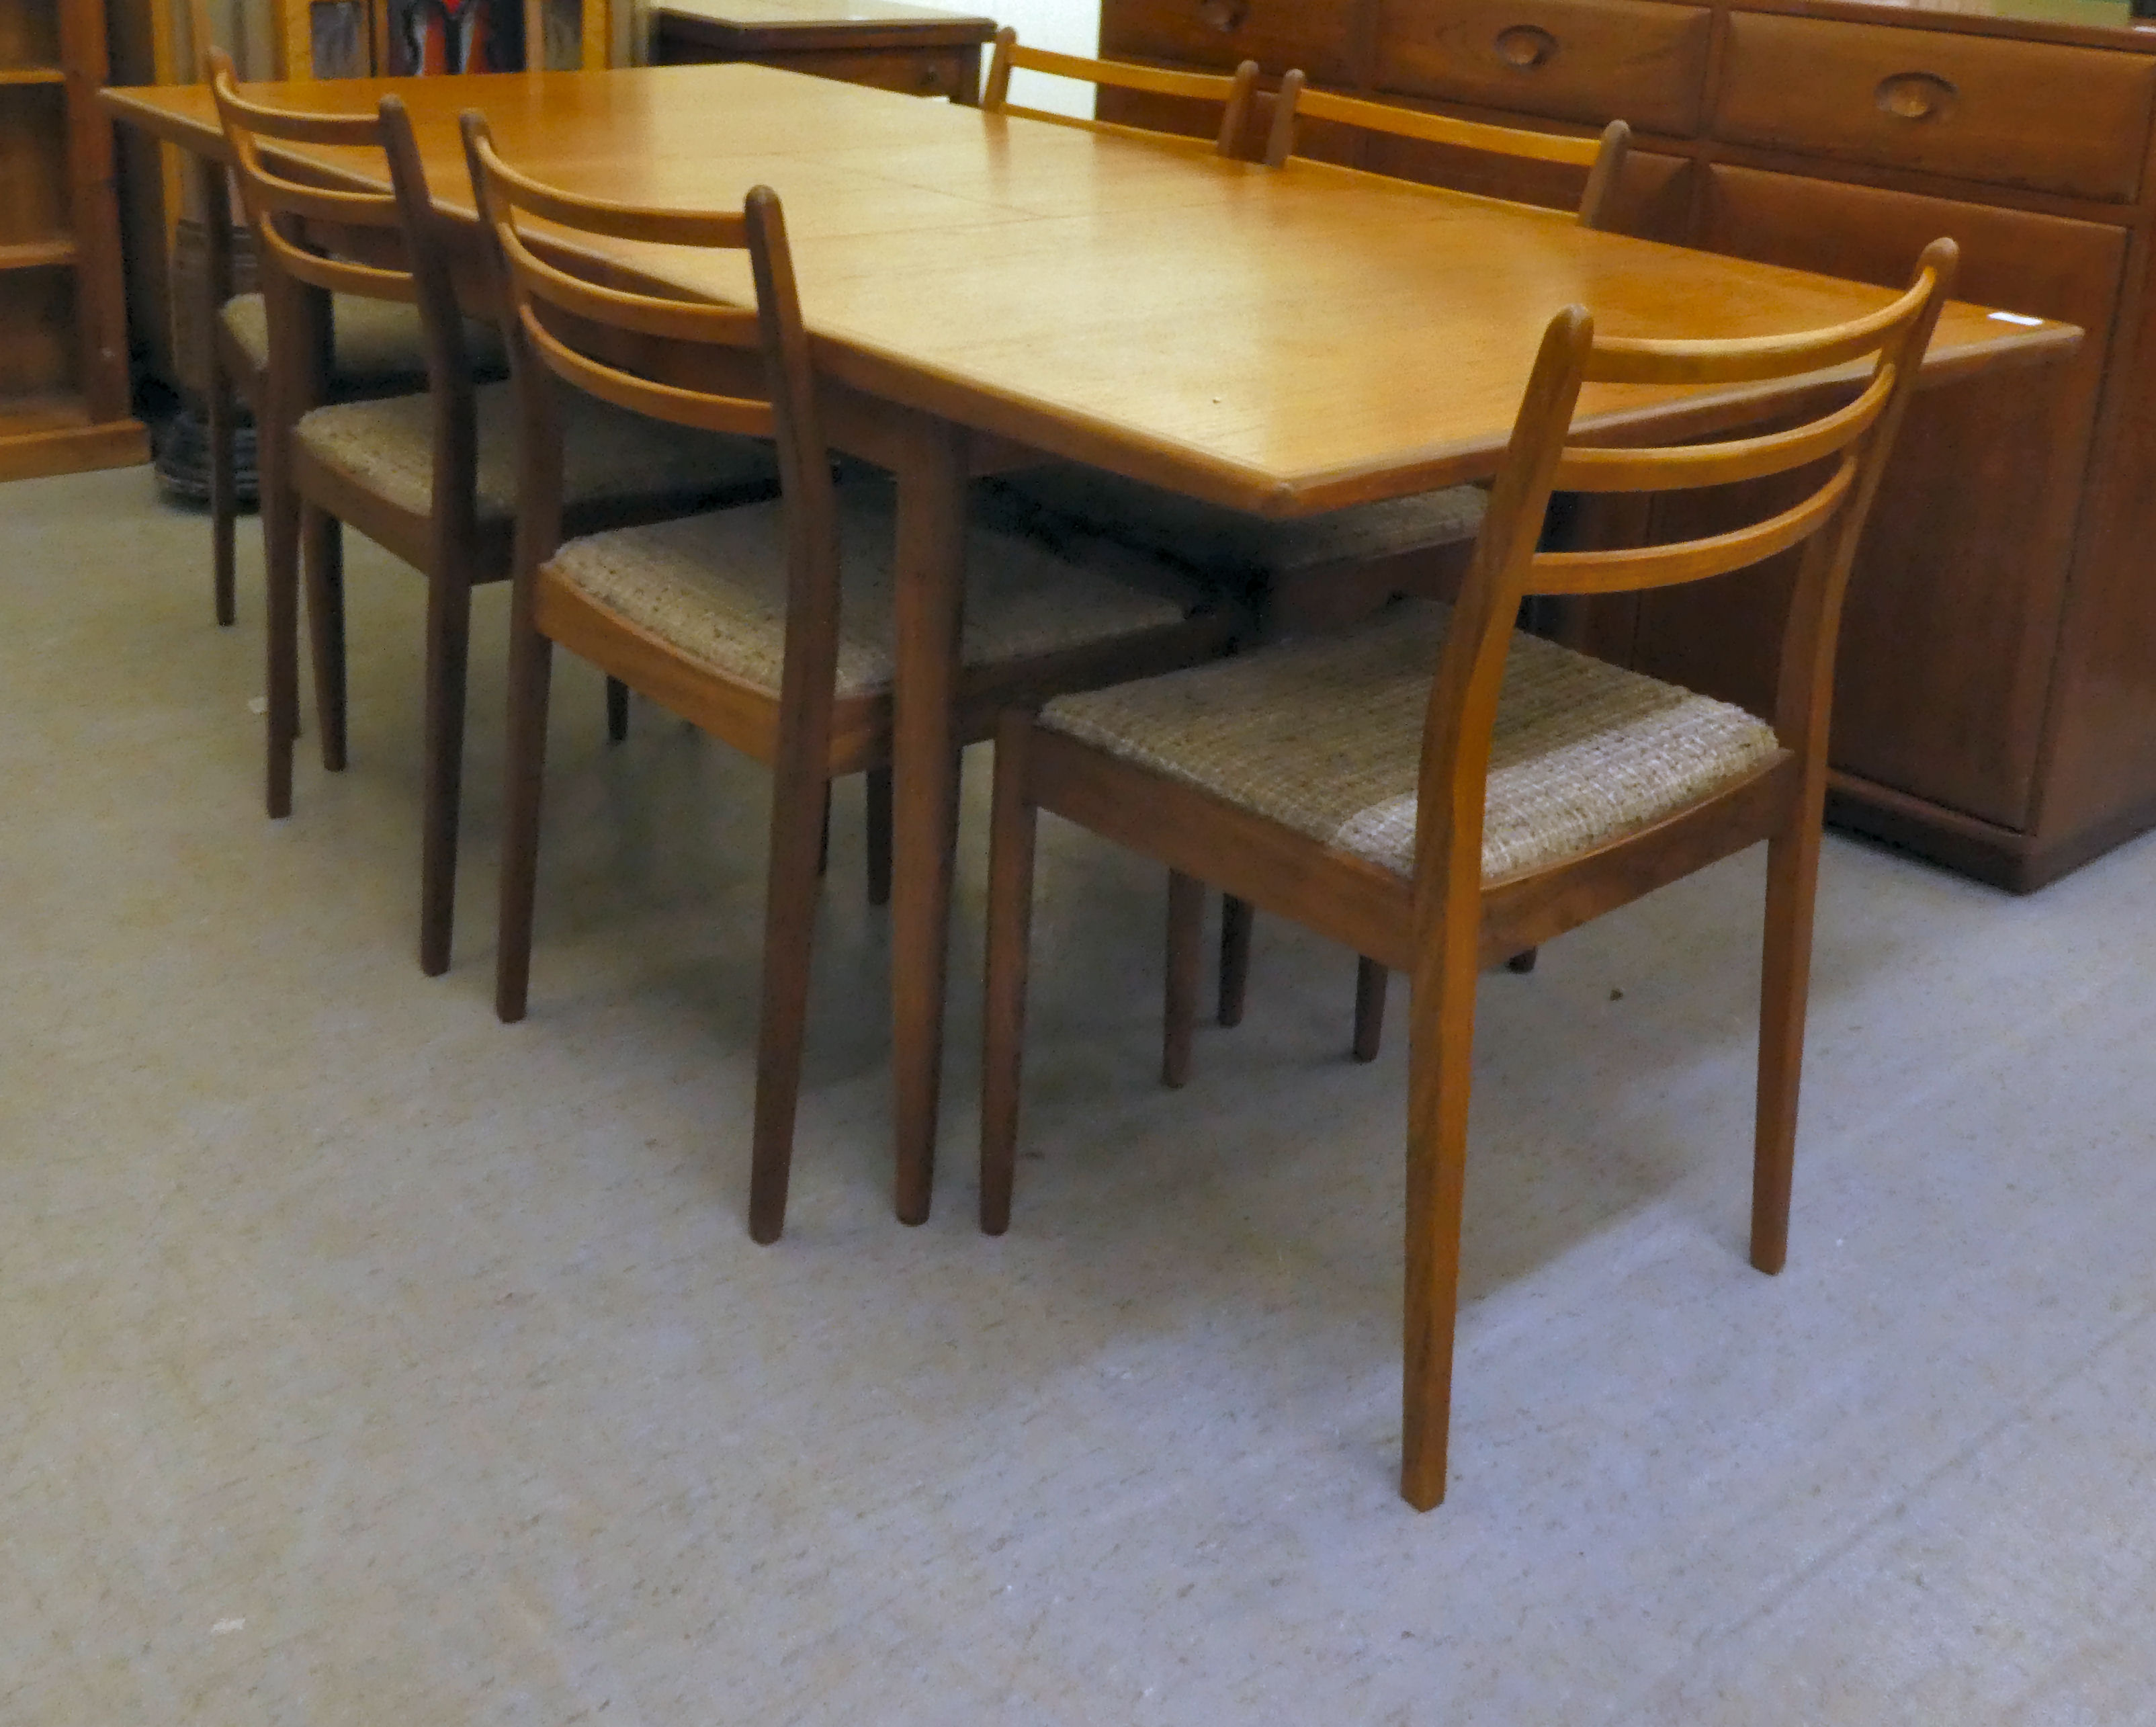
column 62, row 322
column 1996, row 703
column 915, row 50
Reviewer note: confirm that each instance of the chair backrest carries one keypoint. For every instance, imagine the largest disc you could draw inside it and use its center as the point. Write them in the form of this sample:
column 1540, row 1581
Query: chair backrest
column 1234, row 94
column 1603, row 157
column 313, row 238
column 574, row 319
column 1852, row 442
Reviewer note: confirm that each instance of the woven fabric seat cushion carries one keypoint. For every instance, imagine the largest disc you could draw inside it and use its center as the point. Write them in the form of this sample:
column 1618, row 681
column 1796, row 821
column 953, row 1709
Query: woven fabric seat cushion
column 714, row 587
column 1230, row 543
column 610, row 455
column 1325, row 738
column 377, row 342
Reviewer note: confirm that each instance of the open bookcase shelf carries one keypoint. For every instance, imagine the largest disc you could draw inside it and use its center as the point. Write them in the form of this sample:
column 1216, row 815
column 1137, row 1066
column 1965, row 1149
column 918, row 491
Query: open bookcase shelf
column 63, row 318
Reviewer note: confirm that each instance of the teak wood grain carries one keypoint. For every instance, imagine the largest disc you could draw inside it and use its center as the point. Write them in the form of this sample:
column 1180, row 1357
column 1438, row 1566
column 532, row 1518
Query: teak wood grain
column 1280, row 341
column 1290, row 375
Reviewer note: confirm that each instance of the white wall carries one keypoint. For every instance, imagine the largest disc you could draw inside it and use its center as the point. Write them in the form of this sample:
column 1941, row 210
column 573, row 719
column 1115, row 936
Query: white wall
column 1067, row 26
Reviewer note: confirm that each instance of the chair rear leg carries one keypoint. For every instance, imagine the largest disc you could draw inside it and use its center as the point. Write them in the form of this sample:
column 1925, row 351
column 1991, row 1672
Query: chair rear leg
column 449, row 640
column 1441, row 1036
column 1784, row 985
column 617, row 701
column 798, row 809
column 1011, row 827
column 1186, row 931
column 321, row 551
column 878, row 825
column 1237, row 919
column 222, row 417
column 1370, row 981
column 531, row 668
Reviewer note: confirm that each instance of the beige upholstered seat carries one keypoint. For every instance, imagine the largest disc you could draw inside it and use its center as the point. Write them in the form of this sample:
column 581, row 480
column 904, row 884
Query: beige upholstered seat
column 713, row 588
column 388, row 446
column 1241, row 549
column 378, row 341
column 1325, row 738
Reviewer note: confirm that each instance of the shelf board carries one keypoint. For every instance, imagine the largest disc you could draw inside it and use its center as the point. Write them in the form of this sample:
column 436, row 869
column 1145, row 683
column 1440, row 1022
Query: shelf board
column 54, row 434
column 32, row 75
column 38, row 254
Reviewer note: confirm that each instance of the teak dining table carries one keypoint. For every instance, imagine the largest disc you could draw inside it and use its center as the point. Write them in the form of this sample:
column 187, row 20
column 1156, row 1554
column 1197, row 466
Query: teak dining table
column 985, row 292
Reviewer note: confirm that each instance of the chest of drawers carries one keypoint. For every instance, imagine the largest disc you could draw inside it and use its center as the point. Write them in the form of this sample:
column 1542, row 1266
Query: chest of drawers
column 1996, row 704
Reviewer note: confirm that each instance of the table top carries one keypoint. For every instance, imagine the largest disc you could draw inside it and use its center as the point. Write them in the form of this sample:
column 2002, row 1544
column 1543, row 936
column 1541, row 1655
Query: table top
column 805, row 23
column 1279, row 340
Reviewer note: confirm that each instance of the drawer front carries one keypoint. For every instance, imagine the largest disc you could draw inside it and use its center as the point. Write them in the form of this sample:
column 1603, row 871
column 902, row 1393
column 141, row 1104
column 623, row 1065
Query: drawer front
column 2068, row 119
column 1593, row 60
column 1319, row 36
column 918, row 72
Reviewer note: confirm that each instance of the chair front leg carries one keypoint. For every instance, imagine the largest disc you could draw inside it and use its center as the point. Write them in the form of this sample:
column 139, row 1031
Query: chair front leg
column 1238, row 917
column 1784, row 987
column 1012, row 822
column 1441, row 1041
column 799, row 804
column 321, row 554
column 281, row 540
column 448, row 642
column 531, row 670
column 1186, row 931
column 1371, row 979
column 221, row 416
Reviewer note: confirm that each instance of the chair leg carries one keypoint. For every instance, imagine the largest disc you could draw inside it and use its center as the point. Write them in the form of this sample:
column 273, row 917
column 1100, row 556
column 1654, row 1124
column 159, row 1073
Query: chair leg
column 1784, row 985
column 823, row 835
column 281, row 539
column 1442, row 1040
column 1237, row 919
column 531, row 669
column 448, row 638
column 617, row 700
column 1012, row 826
column 879, row 823
column 798, row 810
column 321, row 557
column 1186, row 930
column 222, row 415
column 1370, row 981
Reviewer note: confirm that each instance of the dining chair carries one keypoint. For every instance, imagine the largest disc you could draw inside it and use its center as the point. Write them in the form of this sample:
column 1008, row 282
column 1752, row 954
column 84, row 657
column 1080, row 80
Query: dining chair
column 1441, row 789
column 431, row 477
column 1320, row 573
column 1314, row 594
column 769, row 626
column 377, row 349
column 1602, row 158
column 1235, row 94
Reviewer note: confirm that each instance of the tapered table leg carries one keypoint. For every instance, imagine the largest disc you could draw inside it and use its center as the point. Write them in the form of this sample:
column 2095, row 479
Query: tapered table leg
column 929, row 616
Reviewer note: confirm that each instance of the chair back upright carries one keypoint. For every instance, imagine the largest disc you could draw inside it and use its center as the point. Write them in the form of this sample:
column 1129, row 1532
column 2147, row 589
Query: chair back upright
column 1850, row 443
column 1603, row 157
column 574, row 318
column 1234, row 93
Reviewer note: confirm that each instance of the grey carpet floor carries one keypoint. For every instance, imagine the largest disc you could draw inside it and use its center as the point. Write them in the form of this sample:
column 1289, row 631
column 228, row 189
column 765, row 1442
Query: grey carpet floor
column 363, row 1360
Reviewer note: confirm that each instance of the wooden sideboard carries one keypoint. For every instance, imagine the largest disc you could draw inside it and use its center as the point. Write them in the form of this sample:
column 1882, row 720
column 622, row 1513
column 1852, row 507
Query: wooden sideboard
column 918, row 50
column 1996, row 705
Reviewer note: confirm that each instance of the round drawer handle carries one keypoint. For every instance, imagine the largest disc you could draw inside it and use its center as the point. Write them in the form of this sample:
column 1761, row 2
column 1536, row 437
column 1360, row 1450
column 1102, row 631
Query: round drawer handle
column 1915, row 96
column 1525, row 46
column 1225, row 15
column 930, row 80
